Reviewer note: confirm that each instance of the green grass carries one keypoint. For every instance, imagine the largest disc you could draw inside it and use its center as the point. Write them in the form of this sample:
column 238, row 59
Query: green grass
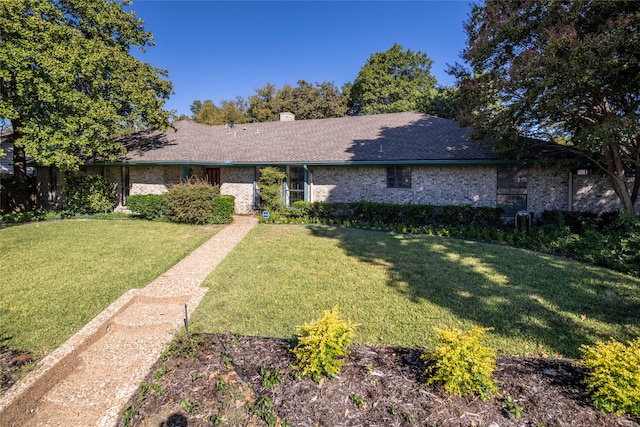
column 56, row 276
column 400, row 287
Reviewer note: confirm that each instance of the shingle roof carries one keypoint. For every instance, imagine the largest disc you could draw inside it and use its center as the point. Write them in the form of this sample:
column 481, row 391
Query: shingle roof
column 397, row 137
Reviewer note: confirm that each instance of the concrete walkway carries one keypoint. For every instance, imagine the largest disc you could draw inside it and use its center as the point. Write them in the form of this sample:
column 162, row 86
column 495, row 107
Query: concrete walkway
column 88, row 380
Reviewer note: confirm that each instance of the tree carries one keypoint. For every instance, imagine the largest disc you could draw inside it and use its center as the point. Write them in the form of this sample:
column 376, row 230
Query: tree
column 306, row 101
column 564, row 72
column 68, row 82
column 442, row 102
column 229, row 111
column 392, row 81
column 261, row 104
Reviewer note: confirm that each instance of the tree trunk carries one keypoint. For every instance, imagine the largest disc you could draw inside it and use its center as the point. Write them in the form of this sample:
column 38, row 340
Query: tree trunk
column 21, row 196
column 617, row 177
column 20, row 192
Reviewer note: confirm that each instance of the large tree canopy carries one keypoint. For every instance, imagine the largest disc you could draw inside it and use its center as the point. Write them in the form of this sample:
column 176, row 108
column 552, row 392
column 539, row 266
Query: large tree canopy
column 228, row 112
column 567, row 72
column 68, row 82
column 306, row 101
column 392, row 81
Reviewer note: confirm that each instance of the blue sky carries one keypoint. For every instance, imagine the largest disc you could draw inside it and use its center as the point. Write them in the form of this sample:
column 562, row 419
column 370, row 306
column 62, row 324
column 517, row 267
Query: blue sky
column 222, row 49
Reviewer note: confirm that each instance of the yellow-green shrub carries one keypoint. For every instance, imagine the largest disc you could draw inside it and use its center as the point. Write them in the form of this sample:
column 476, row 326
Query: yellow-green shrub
column 320, row 346
column 462, row 363
column 614, row 381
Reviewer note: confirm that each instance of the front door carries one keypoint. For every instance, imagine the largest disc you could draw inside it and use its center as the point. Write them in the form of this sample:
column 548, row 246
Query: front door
column 213, row 176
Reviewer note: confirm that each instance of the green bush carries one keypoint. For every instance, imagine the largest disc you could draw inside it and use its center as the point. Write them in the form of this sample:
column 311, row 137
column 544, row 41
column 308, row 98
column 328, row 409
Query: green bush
column 462, row 363
column 147, row 206
column 390, row 215
column 89, row 194
column 614, row 381
column 192, row 202
column 270, row 188
column 320, row 346
column 223, row 209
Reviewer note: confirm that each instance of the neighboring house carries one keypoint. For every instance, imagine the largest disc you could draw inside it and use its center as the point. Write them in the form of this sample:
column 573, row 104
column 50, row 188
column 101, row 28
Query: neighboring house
column 395, row 158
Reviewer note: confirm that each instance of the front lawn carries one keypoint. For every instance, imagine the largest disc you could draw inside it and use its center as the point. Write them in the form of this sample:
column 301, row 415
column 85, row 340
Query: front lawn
column 400, row 287
column 56, row 276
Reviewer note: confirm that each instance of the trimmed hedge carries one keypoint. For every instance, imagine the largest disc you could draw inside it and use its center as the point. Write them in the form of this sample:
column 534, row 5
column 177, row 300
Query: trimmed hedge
column 198, row 202
column 389, row 214
column 223, row 209
column 147, row 206
column 191, row 202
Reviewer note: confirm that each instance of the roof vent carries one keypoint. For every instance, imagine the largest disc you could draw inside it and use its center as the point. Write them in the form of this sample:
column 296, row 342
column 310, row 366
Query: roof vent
column 287, row 117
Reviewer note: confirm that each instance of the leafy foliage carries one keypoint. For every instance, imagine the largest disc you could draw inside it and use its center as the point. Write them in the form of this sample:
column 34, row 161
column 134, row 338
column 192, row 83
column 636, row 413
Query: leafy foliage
column 306, row 101
column 392, row 81
column 270, row 188
column 68, row 82
column 562, row 72
column 229, row 112
column 223, row 209
column 321, row 345
column 462, row 363
column 89, row 194
column 192, row 202
column 147, row 206
column 390, row 214
column 442, row 102
column 614, row 381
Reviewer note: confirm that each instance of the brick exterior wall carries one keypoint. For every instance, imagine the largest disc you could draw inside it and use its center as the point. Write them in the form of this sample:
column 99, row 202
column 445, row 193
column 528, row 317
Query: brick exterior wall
column 593, row 192
column 153, row 179
column 547, row 188
column 239, row 183
column 437, row 185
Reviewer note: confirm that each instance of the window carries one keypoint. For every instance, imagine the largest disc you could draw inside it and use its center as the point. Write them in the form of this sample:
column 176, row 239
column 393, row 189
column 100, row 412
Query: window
column 398, row 177
column 512, row 189
column 295, row 184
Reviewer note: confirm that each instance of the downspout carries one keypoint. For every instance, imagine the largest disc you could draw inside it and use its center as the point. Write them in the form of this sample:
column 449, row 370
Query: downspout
column 307, row 184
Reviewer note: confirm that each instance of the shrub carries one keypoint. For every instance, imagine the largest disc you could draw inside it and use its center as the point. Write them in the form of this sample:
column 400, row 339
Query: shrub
column 89, row 194
column 223, row 209
column 462, row 363
column 614, row 381
column 192, row 202
column 147, row 206
column 321, row 345
column 270, row 188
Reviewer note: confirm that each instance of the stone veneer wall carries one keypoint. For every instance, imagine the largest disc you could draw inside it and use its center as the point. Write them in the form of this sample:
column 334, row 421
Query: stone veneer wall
column 437, row 185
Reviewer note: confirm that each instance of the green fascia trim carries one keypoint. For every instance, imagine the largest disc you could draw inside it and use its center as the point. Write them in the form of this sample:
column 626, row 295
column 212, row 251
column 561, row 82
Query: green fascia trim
column 340, row 163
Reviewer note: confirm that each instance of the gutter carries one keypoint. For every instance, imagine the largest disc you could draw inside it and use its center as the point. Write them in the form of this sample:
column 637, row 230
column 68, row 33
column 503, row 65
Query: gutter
column 229, row 163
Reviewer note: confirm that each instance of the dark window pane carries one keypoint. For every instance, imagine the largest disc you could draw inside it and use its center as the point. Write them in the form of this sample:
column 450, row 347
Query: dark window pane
column 398, row 177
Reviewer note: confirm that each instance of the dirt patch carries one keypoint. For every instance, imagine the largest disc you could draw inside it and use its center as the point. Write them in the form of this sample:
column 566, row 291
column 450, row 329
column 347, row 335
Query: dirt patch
column 224, row 384
column 13, row 365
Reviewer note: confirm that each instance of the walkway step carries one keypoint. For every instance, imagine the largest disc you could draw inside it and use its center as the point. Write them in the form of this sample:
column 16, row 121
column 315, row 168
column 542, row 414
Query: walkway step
column 88, row 380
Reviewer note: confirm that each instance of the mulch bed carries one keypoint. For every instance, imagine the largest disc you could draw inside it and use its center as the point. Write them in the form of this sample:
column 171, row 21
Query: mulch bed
column 13, row 363
column 379, row 386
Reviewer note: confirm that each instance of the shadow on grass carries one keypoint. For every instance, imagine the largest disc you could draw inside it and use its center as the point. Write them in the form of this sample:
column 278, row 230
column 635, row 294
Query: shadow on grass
column 552, row 301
